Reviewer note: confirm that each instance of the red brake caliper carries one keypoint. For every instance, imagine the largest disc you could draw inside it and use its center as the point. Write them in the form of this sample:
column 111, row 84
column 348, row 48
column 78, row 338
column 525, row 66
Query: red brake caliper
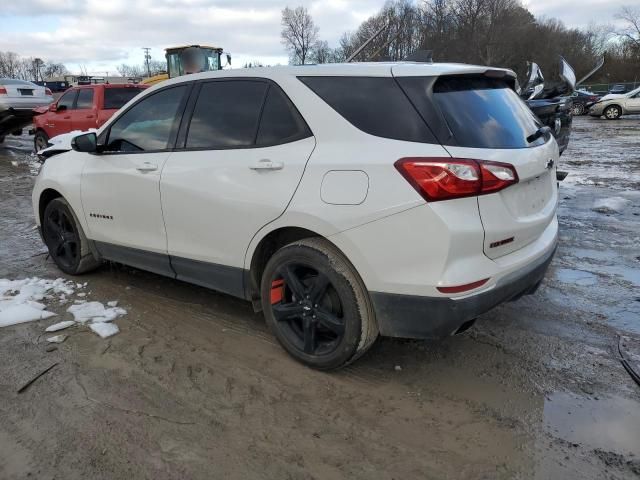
column 277, row 291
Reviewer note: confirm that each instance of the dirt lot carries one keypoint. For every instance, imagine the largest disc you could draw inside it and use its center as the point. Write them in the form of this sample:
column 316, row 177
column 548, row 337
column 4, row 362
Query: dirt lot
column 194, row 386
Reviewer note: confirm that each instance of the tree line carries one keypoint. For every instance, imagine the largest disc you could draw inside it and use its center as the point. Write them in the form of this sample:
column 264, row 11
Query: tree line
column 33, row 69
column 486, row 32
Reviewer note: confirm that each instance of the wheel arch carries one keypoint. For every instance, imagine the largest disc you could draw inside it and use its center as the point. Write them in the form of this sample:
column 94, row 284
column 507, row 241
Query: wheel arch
column 46, row 196
column 264, row 250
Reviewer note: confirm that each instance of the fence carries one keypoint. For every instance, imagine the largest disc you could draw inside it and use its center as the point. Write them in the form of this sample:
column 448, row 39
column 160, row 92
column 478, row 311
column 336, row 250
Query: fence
column 603, row 88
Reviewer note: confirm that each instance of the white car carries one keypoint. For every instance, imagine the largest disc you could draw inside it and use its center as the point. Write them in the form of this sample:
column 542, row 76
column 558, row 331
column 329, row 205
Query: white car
column 18, row 98
column 345, row 201
column 614, row 105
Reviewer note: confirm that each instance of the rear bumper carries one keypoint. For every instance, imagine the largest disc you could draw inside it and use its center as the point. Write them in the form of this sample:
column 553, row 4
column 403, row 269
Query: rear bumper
column 412, row 316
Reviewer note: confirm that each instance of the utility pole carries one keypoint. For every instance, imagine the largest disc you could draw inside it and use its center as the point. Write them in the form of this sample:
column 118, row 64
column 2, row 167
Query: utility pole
column 147, row 57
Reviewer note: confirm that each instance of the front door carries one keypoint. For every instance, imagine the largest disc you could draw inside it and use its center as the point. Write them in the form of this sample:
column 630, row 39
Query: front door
column 59, row 121
column 121, row 185
column 633, row 103
column 83, row 116
column 243, row 157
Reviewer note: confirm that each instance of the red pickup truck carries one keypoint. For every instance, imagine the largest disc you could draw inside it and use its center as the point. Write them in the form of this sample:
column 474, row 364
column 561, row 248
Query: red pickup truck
column 81, row 108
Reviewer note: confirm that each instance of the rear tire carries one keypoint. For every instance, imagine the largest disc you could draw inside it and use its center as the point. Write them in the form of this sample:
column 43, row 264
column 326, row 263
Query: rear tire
column 577, row 109
column 65, row 239
column 40, row 141
column 612, row 112
column 316, row 304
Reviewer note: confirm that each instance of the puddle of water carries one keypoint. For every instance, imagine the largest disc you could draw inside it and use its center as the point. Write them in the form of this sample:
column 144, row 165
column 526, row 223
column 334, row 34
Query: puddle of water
column 577, row 277
column 611, row 424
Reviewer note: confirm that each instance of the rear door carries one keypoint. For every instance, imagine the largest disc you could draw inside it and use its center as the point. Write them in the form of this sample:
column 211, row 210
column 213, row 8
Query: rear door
column 83, row 116
column 244, row 152
column 484, row 119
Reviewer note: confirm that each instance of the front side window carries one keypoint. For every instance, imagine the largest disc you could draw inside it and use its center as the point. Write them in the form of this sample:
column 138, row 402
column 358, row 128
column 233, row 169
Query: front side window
column 150, row 124
column 85, row 98
column 66, row 100
column 226, row 114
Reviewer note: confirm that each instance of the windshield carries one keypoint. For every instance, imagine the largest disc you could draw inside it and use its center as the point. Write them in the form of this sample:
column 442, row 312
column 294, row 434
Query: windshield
column 192, row 60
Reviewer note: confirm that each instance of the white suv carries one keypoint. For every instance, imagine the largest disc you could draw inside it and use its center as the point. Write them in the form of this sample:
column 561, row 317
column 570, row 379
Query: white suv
column 345, row 201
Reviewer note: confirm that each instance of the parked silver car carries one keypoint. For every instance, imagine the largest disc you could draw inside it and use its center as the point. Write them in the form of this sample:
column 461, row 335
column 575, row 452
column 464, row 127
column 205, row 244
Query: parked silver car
column 613, row 106
column 18, row 98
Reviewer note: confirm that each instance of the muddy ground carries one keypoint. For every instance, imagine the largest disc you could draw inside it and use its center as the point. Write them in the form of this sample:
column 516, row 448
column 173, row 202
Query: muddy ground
column 195, row 387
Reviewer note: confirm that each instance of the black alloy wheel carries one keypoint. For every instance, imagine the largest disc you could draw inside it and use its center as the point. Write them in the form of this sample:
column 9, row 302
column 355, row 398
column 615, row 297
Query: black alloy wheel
column 307, row 308
column 316, row 304
column 61, row 236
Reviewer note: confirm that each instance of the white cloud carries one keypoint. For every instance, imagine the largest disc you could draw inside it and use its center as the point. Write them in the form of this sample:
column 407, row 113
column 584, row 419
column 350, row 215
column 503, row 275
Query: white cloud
column 102, row 34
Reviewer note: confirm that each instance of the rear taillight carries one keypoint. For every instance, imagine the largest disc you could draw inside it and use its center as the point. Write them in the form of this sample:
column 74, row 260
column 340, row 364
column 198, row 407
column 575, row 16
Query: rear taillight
column 446, row 178
column 3, row 91
column 47, row 92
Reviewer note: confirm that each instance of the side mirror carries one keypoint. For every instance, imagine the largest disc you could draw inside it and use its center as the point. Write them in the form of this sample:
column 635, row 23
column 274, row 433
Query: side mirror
column 53, row 107
column 87, row 142
column 60, row 108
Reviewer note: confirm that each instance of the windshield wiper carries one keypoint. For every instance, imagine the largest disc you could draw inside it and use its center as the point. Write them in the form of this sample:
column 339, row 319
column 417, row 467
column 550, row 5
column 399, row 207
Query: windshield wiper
column 538, row 133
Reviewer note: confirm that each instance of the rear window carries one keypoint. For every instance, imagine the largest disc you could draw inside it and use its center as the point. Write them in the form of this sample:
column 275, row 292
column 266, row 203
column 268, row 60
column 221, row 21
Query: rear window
column 115, row 98
column 480, row 112
column 375, row 105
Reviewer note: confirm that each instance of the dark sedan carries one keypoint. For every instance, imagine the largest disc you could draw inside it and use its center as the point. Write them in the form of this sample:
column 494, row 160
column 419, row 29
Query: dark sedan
column 582, row 100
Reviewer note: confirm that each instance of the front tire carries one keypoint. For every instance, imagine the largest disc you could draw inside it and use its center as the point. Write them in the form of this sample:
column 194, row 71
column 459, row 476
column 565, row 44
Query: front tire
column 612, row 112
column 65, row 239
column 40, row 141
column 316, row 304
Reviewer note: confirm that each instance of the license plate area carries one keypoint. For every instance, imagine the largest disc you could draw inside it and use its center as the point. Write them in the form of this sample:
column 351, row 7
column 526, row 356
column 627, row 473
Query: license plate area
column 530, row 197
column 26, row 91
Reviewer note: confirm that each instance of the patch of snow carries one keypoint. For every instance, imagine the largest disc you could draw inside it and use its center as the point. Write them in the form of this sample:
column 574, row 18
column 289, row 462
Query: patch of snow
column 21, row 313
column 81, row 294
column 60, row 326
column 57, row 338
column 610, row 205
column 19, row 299
column 96, row 312
column 113, row 303
column 104, row 329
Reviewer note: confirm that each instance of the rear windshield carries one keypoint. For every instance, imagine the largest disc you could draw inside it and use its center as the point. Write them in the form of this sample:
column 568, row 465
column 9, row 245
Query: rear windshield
column 11, row 81
column 117, row 97
column 484, row 112
column 375, row 105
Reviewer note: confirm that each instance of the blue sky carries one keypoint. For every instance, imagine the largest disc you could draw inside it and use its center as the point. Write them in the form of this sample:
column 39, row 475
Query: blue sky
column 101, row 34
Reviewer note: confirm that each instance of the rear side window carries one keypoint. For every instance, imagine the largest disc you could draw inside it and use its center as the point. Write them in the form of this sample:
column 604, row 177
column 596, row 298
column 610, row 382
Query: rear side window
column 226, row 114
column 375, row 105
column 115, row 98
column 85, row 98
column 280, row 122
column 480, row 112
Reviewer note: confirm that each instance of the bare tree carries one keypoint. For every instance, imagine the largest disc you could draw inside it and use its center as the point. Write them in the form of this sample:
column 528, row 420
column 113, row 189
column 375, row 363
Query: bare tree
column 631, row 16
column 299, row 33
column 321, row 52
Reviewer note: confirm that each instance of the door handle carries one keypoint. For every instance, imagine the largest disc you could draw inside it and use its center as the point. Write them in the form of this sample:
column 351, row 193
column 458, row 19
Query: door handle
column 89, row 116
column 67, row 117
column 266, row 164
column 147, row 167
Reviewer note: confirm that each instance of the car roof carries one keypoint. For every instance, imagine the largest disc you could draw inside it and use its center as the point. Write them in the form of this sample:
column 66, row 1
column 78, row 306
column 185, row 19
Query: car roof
column 377, row 69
